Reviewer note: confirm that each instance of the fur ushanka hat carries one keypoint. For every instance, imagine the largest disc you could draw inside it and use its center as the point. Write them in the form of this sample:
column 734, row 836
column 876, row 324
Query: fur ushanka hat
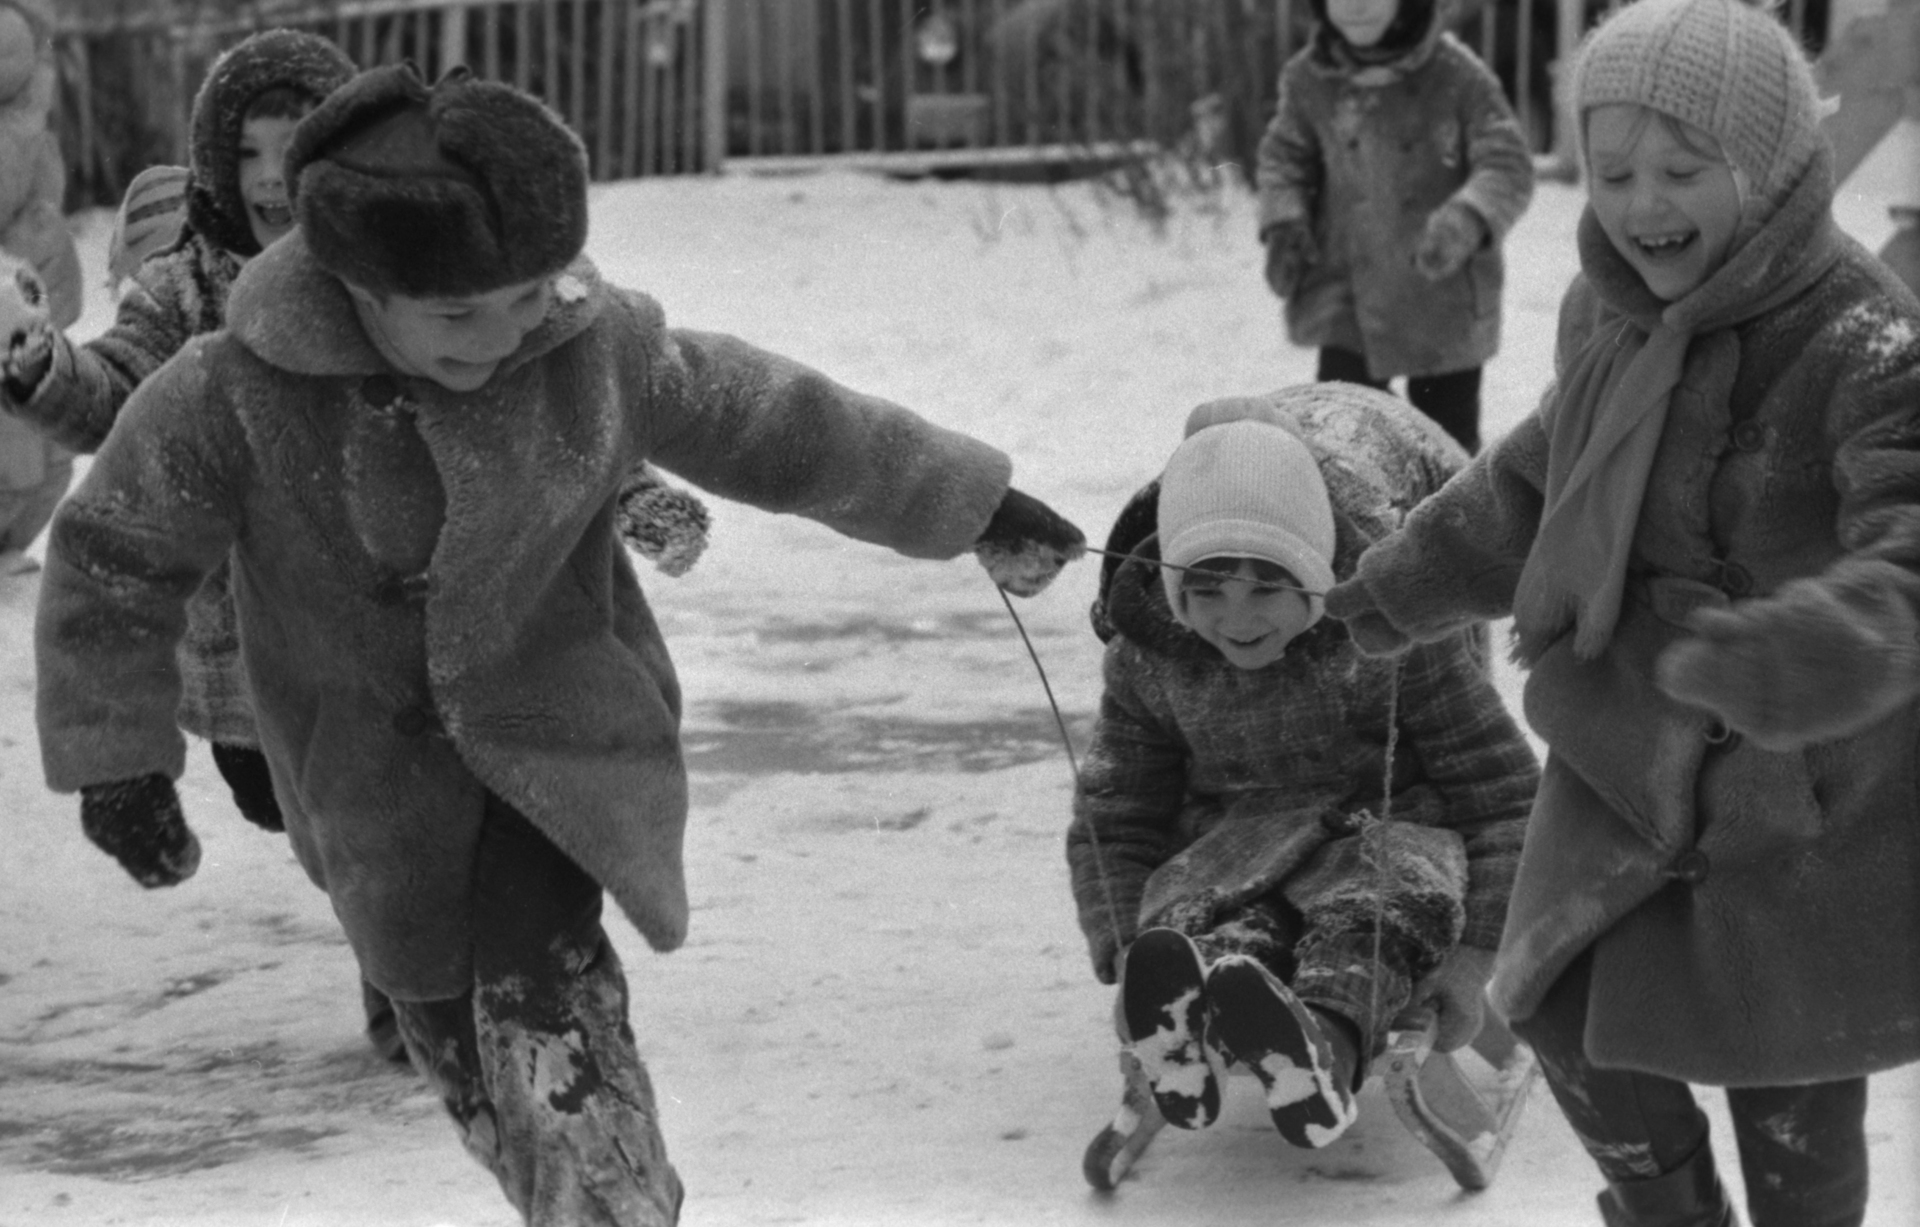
column 446, row 191
column 274, row 59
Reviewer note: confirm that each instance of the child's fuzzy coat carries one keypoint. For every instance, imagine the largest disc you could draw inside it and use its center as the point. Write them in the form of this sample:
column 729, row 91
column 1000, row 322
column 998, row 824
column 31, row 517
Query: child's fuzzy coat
column 1363, row 155
column 434, row 597
column 1210, row 784
column 1753, row 914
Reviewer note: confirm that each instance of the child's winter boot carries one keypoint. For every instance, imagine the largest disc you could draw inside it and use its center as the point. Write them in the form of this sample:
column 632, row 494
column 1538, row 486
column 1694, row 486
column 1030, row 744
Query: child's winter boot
column 1689, row 1196
column 1259, row 1023
column 1164, row 1003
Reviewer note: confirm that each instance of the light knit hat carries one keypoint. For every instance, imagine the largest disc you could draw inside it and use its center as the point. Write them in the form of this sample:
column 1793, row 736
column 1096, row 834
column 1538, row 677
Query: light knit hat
column 1728, row 67
column 1246, row 489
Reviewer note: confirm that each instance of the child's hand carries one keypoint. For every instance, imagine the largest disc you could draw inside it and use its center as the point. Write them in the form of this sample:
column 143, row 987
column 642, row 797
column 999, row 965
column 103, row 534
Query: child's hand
column 1371, row 630
column 1809, row 663
column 1026, row 543
column 1290, row 253
column 138, row 822
column 663, row 524
column 1454, row 232
column 29, row 354
column 1457, row 990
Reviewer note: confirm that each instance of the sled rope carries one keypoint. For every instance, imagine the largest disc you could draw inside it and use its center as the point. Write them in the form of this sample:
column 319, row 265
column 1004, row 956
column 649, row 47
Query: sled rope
column 1379, row 865
column 1174, row 566
column 1073, row 765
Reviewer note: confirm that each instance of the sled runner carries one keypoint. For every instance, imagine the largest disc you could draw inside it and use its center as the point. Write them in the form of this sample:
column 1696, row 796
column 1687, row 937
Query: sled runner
column 1465, row 1121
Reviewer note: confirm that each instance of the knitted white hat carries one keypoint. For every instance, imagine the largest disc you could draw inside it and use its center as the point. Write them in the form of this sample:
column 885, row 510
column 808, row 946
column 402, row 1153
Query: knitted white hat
column 1727, row 67
column 1246, row 489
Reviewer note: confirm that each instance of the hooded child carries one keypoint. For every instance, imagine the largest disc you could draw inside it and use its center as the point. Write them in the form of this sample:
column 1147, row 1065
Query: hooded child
column 1391, row 171
column 1708, row 535
column 411, row 442
column 34, row 472
column 1279, row 844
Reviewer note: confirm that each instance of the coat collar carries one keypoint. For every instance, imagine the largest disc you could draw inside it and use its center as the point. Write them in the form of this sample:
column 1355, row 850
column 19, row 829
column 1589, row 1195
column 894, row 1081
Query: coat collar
column 297, row 316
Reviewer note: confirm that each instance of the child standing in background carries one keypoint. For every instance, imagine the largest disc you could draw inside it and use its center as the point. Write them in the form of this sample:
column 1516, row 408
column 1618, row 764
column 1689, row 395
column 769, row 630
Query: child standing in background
column 33, row 471
column 1391, row 172
column 1708, row 535
column 1225, row 856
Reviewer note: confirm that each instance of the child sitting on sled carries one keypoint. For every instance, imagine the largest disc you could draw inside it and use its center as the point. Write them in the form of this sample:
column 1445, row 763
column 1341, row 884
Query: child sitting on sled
column 1278, row 844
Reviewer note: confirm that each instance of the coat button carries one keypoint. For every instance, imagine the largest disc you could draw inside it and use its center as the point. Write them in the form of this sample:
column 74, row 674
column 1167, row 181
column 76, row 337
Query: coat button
column 1691, row 867
column 1750, row 436
column 412, row 721
column 1718, row 734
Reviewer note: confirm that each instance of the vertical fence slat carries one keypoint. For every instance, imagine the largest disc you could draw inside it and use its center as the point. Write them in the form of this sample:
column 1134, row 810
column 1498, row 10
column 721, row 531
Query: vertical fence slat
column 604, row 166
column 713, row 82
column 550, row 52
column 908, row 86
column 636, row 63
column 816, row 84
column 670, row 107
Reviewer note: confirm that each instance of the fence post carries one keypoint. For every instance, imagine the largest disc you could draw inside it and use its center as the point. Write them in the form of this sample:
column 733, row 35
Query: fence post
column 713, row 91
column 1560, row 161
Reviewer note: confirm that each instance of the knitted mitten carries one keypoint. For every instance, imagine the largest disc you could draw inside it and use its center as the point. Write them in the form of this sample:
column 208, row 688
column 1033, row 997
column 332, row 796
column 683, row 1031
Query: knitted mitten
column 138, row 822
column 1453, row 233
column 662, row 523
column 244, row 768
column 1026, row 543
column 1290, row 253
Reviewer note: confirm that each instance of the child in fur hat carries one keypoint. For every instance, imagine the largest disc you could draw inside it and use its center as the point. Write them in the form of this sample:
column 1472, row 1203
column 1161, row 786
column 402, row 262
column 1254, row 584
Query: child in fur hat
column 33, row 471
column 1708, row 535
column 412, row 442
column 1390, row 173
column 1231, row 847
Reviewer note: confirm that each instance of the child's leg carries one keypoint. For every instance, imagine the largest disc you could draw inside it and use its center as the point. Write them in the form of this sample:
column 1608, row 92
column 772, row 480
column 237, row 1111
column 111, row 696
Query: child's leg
column 1803, row 1152
column 1345, row 366
column 538, row 1065
column 1644, row 1132
column 1453, row 401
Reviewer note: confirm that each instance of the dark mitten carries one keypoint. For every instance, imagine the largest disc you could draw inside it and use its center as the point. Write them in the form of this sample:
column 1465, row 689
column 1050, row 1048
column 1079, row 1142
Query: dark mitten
column 29, row 354
column 1290, row 253
column 1026, row 543
column 1373, row 633
column 663, row 524
column 245, row 771
column 1815, row 661
column 138, row 822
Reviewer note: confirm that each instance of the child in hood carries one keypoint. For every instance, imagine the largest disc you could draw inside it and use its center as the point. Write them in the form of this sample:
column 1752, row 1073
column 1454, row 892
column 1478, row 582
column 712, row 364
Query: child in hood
column 1708, row 535
column 1390, row 173
column 1258, row 794
column 412, row 441
column 33, row 472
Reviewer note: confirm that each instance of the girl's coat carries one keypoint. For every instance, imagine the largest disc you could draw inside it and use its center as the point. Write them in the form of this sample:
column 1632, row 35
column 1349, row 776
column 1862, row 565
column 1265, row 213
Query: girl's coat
column 433, row 597
column 1753, row 914
column 1363, row 155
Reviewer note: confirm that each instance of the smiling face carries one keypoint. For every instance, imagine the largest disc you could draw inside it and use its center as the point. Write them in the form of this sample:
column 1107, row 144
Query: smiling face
column 1664, row 194
column 1247, row 609
column 1362, row 22
column 263, row 178
column 456, row 342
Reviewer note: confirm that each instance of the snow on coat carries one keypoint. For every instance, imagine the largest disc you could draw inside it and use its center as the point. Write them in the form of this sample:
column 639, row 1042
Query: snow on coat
column 1752, row 914
column 434, row 597
column 1212, row 784
column 1364, row 155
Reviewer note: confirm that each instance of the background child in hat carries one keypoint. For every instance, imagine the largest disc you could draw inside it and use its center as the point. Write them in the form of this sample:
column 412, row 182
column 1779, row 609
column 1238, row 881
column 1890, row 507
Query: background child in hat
column 34, row 473
column 1225, row 832
column 413, row 441
column 1709, row 537
column 1390, row 173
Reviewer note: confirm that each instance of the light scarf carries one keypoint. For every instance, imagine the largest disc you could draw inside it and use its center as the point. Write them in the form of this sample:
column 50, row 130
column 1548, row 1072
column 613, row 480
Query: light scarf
column 1606, row 417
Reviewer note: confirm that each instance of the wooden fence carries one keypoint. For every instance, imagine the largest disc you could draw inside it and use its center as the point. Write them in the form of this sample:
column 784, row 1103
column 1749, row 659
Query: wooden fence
column 675, row 86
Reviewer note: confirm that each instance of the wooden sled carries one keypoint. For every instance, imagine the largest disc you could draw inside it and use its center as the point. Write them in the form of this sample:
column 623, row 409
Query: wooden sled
column 1465, row 1122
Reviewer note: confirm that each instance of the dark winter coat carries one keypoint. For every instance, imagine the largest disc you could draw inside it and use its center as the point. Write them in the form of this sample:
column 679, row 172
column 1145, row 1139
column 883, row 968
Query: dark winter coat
column 434, row 598
column 1753, row 915
column 1364, row 154
column 1213, row 784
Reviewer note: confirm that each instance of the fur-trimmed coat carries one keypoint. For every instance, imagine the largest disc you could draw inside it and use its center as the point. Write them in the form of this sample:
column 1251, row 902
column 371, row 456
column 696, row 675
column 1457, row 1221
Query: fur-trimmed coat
column 1211, row 785
column 433, row 596
column 1753, row 915
column 1364, row 155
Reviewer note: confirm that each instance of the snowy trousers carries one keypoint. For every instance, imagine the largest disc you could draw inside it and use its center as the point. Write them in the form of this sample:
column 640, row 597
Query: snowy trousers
column 537, row 1064
column 1803, row 1149
column 1337, row 970
column 1452, row 400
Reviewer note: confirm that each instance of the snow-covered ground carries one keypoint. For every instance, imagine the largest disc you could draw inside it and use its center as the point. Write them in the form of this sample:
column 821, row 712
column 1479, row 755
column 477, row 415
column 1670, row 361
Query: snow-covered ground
column 883, row 1014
